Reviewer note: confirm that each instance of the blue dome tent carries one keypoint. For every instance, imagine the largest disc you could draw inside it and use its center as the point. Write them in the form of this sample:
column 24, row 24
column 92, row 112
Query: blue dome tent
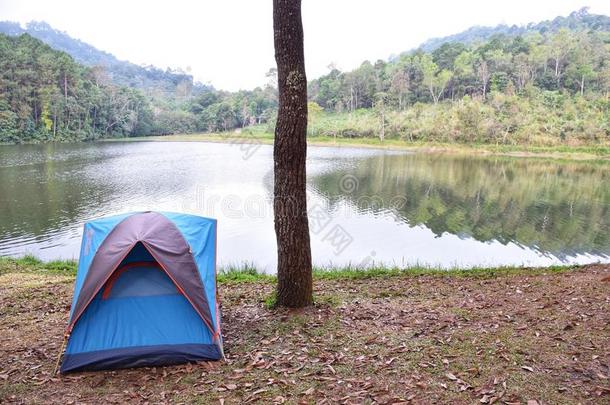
column 145, row 293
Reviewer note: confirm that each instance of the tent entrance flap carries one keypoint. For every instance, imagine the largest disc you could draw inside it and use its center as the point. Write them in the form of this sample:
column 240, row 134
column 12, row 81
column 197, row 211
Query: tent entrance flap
column 139, row 279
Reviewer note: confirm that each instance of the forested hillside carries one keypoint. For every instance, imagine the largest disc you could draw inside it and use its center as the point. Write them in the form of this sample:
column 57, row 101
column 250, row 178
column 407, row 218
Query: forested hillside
column 549, row 86
column 45, row 95
column 570, row 61
column 577, row 20
column 543, row 84
column 151, row 80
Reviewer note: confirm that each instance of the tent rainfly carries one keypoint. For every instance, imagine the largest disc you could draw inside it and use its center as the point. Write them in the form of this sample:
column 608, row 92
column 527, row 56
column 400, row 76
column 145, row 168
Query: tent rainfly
column 145, row 293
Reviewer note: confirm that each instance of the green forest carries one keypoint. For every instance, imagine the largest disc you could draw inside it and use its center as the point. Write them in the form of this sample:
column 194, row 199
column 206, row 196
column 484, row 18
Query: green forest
column 547, row 84
column 541, row 89
column 46, row 96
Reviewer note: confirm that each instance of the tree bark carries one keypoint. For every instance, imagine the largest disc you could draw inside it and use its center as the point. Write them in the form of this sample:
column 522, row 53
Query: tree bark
column 382, row 134
column 294, row 274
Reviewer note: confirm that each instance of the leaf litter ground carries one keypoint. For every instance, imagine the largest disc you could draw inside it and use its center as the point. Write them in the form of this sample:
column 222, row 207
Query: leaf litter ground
column 517, row 338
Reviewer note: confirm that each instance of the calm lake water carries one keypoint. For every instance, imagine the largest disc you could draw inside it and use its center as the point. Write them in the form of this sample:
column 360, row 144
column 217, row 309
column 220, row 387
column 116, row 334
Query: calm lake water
column 366, row 206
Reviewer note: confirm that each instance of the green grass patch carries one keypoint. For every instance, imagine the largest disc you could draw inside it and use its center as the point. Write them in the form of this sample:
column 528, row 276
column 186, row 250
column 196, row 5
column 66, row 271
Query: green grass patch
column 248, row 273
column 565, row 152
column 352, row 273
column 326, row 299
column 243, row 273
column 7, row 390
column 271, row 300
column 31, row 264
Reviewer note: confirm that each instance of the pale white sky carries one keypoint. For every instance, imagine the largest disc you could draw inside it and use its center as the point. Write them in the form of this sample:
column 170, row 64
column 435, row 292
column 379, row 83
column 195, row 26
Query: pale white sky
column 229, row 43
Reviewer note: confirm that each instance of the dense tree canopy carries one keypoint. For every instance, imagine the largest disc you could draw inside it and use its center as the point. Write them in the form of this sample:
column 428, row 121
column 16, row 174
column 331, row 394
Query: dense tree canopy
column 544, row 84
column 547, row 87
column 567, row 62
column 45, row 95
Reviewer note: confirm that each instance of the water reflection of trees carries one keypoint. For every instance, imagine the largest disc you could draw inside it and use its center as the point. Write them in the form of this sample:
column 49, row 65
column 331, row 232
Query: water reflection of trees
column 40, row 194
column 561, row 208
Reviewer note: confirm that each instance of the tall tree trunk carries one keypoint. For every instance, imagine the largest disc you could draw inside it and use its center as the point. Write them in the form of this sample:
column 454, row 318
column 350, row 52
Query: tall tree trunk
column 433, row 94
column 294, row 275
column 54, row 123
column 94, row 119
column 382, row 134
column 557, row 67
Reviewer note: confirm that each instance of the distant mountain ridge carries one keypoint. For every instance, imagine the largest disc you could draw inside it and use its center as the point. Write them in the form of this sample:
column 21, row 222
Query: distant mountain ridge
column 580, row 19
column 178, row 84
column 152, row 80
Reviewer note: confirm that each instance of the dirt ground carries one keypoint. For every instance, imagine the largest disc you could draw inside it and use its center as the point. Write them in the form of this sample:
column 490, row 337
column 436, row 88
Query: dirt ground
column 541, row 338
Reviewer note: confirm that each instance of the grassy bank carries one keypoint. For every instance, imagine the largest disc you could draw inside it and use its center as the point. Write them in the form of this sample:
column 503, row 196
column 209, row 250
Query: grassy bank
column 382, row 336
column 584, row 152
column 248, row 273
